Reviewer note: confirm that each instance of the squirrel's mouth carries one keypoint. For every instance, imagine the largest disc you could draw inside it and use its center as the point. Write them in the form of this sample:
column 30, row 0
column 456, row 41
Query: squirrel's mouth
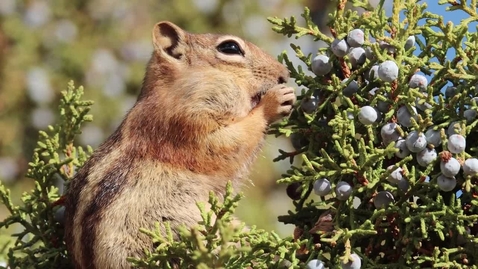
column 257, row 98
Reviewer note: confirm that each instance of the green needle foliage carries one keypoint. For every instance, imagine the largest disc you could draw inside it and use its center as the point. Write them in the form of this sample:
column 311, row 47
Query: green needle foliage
column 216, row 243
column 39, row 240
column 393, row 209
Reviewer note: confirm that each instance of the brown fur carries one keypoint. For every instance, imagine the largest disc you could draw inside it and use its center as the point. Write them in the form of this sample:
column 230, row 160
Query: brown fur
column 194, row 127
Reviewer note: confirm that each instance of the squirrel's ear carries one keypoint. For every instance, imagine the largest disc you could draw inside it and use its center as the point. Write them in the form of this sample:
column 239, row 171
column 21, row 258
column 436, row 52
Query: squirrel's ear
column 168, row 39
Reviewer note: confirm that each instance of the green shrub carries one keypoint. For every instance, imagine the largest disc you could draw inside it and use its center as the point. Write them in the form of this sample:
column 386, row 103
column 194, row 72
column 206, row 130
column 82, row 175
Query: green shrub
column 412, row 217
column 39, row 242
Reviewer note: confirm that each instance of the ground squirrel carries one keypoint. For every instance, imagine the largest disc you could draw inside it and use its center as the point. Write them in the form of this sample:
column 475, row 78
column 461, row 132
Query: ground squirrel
column 199, row 121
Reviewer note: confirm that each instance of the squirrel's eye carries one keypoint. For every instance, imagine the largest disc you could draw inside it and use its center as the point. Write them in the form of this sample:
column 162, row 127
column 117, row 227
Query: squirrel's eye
column 230, row 47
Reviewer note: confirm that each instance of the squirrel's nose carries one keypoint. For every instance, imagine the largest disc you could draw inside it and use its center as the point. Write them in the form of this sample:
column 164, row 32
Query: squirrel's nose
column 284, row 77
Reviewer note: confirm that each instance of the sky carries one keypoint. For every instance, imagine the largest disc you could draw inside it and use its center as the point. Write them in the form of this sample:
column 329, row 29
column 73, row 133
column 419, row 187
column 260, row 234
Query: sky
column 454, row 16
column 433, row 6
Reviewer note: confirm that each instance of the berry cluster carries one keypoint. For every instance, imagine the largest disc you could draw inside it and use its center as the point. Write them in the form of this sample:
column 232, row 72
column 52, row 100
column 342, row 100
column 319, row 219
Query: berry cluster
column 403, row 128
column 354, row 263
column 380, row 132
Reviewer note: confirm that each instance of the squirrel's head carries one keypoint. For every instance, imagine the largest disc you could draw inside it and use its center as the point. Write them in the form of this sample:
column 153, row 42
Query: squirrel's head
column 209, row 66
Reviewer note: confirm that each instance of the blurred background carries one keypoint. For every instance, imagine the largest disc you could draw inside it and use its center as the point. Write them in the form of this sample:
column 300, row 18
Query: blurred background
column 104, row 45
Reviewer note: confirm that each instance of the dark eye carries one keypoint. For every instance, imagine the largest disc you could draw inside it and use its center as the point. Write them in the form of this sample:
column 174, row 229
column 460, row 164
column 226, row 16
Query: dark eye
column 230, row 47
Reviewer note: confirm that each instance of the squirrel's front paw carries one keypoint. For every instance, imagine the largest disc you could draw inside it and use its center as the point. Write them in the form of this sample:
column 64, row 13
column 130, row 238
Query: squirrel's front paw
column 277, row 102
